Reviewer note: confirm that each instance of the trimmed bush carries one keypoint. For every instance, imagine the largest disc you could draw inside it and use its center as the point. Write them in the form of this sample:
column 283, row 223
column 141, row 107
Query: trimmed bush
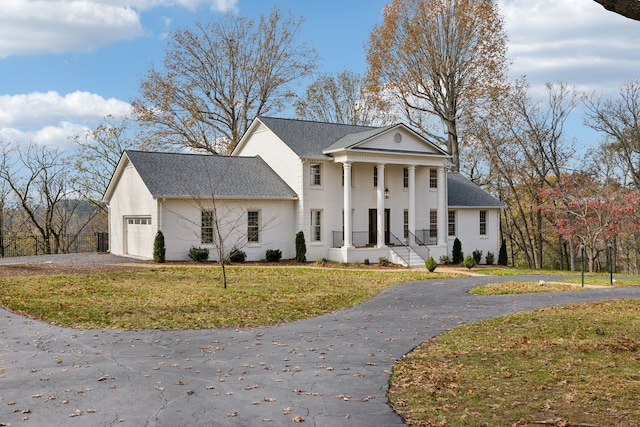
column 457, row 256
column 469, row 262
column 477, row 256
column 199, row 254
column 273, row 255
column 159, row 250
column 236, row 255
column 301, row 247
column 431, row 264
column 489, row 258
column 502, row 255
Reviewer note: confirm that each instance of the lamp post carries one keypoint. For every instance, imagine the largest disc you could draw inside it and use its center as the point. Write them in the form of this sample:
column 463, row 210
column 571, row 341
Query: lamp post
column 609, row 246
column 582, row 261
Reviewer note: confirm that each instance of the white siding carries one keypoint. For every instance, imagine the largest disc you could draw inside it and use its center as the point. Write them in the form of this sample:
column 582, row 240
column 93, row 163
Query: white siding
column 181, row 227
column 407, row 142
column 276, row 154
column 468, row 231
column 130, row 199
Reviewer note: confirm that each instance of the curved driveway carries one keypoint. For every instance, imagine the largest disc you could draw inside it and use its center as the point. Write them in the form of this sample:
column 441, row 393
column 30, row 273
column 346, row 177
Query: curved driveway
column 330, row 371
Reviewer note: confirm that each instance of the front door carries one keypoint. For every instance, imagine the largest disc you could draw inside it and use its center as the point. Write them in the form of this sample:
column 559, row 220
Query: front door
column 373, row 226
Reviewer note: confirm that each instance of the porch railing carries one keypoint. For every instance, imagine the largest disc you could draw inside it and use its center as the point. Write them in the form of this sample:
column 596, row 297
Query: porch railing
column 427, row 237
column 404, row 249
column 361, row 239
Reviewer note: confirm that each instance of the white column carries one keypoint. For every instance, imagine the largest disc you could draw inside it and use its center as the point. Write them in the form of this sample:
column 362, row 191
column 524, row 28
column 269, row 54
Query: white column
column 347, row 205
column 380, row 207
column 443, row 215
column 412, row 203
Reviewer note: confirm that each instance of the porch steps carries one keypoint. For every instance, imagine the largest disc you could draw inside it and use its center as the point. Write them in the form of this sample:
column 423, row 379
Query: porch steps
column 406, row 256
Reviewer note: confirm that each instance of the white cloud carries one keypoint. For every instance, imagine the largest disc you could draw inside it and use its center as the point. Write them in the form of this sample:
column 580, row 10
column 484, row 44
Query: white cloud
column 43, row 108
column 574, row 41
column 30, row 27
column 52, row 119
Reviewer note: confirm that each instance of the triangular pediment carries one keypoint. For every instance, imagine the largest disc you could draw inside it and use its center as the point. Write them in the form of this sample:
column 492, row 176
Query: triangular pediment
column 391, row 139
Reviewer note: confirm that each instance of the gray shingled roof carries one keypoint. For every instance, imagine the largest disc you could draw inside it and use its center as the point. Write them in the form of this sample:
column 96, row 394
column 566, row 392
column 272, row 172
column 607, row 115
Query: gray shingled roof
column 356, row 138
column 176, row 175
column 462, row 193
column 310, row 139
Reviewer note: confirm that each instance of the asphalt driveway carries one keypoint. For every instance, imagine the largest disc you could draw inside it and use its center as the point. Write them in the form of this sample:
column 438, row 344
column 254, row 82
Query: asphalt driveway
column 328, row 371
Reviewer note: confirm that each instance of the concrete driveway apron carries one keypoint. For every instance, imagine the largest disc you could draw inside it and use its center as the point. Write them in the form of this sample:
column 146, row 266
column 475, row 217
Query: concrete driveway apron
column 331, row 370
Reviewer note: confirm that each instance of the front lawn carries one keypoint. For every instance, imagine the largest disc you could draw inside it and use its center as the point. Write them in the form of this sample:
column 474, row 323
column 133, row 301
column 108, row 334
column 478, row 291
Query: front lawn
column 192, row 297
column 575, row 365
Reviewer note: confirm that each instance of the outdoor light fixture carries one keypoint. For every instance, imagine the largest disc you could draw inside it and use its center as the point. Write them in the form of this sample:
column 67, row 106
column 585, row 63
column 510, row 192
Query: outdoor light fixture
column 386, row 193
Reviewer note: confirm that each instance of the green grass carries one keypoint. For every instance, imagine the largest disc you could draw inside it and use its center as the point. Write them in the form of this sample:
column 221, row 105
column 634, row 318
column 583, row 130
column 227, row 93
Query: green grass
column 564, row 366
column 192, row 297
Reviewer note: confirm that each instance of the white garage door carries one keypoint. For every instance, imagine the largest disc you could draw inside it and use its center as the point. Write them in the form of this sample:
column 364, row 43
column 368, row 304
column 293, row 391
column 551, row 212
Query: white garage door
column 139, row 237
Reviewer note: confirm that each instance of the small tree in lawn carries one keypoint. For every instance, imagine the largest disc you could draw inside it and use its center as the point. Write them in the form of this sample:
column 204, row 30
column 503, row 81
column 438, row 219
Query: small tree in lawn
column 159, row 250
column 301, row 247
column 457, row 255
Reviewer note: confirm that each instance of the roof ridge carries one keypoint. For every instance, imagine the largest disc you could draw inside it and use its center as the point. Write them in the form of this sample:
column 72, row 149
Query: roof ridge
column 320, row 122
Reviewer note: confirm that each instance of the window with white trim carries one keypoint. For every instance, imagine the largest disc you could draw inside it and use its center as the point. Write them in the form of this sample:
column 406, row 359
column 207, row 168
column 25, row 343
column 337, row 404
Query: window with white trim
column 405, row 220
column 433, row 178
column 316, row 225
column 206, row 227
column 253, row 226
column 316, row 174
column 405, row 177
column 452, row 223
column 375, row 177
column 483, row 223
column 433, row 223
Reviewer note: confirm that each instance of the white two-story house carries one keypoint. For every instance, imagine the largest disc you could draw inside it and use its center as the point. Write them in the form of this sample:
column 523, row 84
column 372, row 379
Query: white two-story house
column 356, row 192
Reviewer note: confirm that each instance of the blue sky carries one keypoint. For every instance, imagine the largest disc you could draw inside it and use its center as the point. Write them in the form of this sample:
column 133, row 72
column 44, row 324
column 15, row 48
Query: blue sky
column 65, row 64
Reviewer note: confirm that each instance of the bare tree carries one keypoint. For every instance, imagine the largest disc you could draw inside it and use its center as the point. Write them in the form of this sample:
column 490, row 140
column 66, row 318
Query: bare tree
column 526, row 150
column 619, row 121
column 627, row 8
column 218, row 76
column 439, row 59
column 342, row 98
column 39, row 179
column 97, row 156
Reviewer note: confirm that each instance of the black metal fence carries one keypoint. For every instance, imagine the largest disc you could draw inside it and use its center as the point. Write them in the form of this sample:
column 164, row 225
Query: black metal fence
column 15, row 246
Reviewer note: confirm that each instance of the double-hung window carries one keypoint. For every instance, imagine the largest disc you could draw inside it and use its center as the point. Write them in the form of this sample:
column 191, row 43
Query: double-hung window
column 405, row 177
column 206, row 227
column 483, row 223
column 316, row 174
column 433, row 223
column 405, row 221
column 433, row 178
column 316, row 225
column 253, row 226
column 452, row 223
column 375, row 177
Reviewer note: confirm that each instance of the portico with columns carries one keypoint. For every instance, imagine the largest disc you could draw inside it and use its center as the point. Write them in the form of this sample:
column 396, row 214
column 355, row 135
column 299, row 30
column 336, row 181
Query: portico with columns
column 404, row 185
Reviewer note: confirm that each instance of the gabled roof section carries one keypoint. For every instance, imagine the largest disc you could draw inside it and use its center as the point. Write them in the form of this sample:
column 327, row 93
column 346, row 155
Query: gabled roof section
column 354, row 139
column 463, row 193
column 177, row 175
column 309, row 139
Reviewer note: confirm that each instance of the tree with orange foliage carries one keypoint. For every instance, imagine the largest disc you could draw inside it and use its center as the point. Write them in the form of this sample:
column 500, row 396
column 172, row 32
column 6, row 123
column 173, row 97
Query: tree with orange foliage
column 438, row 59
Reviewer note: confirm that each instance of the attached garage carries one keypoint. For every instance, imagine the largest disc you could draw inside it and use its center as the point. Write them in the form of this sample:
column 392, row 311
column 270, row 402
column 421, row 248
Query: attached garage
column 138, row 236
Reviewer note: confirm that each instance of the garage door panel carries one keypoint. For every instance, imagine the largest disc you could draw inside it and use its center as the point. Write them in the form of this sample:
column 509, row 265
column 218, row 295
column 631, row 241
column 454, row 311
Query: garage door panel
column 139, row 237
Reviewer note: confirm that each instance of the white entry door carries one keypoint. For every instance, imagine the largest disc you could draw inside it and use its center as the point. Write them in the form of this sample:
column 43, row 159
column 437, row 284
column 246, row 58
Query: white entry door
column 139, row 237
